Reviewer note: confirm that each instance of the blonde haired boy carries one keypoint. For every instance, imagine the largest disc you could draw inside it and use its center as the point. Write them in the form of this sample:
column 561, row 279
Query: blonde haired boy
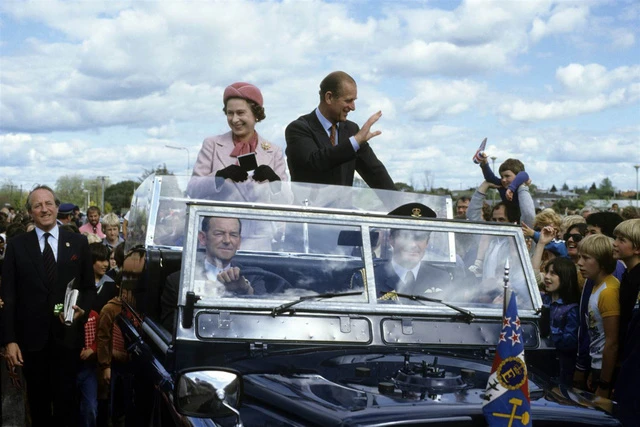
column 111, row 229
column 626, row 247
column 596, row 262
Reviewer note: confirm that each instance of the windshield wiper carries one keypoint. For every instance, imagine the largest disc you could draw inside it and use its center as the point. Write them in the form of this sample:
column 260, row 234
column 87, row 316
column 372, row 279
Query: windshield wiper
column 468, row 315
column 284, row 307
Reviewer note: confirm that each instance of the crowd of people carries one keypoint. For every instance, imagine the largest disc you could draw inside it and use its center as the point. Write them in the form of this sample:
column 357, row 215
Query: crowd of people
column 42, row 353
column 587, row 265
column 588, row 270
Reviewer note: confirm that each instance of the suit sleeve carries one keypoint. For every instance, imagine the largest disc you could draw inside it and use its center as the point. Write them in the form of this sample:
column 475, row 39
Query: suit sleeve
column 372, row 170
column 305, row 152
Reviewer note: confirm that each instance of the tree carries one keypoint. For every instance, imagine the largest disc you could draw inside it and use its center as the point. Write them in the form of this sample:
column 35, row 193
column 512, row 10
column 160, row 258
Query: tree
column 69, row 189
column 606, row 189
column 159, row 170
column 11, row 194
column 553, row 189
column 119, row 195
column 565, row 187
column 593, row 189
column 572, row 204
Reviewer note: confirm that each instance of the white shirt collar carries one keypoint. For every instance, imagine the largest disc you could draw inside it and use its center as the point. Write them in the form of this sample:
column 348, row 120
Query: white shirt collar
column 326, row 124
column 55, row 233
column 402, row 272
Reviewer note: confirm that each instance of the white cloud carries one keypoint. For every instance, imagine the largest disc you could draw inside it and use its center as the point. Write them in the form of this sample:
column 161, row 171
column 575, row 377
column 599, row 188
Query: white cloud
column 101, row 77
column 594, row 78
column 623, row 38
column 589, row 89
column 434, row 98
column 562, row 20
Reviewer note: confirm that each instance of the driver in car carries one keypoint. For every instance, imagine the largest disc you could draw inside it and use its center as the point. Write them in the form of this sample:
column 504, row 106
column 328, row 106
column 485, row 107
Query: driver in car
column 221, row 238
column 405, row 272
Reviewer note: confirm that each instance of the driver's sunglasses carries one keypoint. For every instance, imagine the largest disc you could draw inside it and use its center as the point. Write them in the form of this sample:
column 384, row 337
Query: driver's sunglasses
column 576, row 237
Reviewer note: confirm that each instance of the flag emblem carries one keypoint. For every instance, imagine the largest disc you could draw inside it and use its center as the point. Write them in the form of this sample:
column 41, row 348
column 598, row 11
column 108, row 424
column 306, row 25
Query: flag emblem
column 507, row 394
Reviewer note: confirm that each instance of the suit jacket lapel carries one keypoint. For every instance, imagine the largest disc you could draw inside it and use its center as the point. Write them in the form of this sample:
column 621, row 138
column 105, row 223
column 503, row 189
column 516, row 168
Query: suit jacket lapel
column 33, row 249
column 224, row 147
column 316, row 127
column 65, row 252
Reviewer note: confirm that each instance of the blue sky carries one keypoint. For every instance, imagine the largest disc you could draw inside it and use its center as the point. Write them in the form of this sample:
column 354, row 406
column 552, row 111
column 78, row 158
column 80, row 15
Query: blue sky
column 100, row 87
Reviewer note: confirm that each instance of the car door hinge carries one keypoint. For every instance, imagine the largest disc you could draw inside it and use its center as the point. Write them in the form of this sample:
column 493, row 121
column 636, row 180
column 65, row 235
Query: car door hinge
column 257, row 349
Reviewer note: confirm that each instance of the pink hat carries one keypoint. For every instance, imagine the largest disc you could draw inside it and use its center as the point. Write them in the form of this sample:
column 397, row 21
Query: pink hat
column 243, row 90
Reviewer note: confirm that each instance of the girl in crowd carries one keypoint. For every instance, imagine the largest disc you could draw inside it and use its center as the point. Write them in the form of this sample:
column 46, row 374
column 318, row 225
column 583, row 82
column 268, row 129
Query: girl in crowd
column 560, row 299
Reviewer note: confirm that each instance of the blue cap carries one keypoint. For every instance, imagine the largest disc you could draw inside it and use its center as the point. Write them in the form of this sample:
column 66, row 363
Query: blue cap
column 66, row 208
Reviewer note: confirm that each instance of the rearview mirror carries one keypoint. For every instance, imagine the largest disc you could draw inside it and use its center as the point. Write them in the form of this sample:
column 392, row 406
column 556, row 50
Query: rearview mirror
column 208, row 393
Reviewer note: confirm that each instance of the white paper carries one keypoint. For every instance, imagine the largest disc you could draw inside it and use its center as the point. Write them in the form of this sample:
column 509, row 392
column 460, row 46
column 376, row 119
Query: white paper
column 70, row 299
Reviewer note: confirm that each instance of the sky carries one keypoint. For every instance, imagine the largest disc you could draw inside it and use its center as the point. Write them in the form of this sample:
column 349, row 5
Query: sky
column 100, row 88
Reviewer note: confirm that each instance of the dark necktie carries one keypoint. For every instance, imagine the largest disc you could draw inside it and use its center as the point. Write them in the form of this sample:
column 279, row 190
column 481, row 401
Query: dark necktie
column 332, row 135
column 49, row 261
column 409, row 280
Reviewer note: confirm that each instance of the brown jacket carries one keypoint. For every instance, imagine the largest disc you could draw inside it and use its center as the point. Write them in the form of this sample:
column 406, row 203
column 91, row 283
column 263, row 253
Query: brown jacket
column 104, row 339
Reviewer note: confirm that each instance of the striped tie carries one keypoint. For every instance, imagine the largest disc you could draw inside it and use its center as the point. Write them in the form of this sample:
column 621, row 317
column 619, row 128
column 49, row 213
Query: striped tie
column 332, row 135
column 49, row 261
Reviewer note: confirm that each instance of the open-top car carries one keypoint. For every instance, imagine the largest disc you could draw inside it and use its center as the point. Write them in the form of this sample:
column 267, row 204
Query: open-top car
column 321, row 325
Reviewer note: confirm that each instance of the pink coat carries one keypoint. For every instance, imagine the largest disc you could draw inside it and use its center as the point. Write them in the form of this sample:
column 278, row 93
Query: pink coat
column 215, row 155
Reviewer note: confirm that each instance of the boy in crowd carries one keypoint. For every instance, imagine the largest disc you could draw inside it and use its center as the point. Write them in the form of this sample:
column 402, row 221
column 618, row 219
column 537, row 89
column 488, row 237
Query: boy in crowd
column 596, row 263
column 547, row 218
column 111, row 229
column 87, row 380
column 626, row 247
column 512, row 176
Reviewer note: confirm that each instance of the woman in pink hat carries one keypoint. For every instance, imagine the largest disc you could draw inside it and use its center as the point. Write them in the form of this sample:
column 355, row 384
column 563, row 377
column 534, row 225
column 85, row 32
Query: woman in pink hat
column 217, row 173
column 219, row 154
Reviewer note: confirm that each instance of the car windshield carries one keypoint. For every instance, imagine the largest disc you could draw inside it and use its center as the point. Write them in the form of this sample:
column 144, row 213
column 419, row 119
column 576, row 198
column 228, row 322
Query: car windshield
column 263, row 246
column 287, row 259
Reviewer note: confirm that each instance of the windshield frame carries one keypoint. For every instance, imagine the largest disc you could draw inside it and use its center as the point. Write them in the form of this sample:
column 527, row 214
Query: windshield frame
column 367, row 222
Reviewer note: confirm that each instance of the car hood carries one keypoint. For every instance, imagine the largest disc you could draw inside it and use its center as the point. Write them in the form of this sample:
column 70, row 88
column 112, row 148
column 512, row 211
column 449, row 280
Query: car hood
column 375, row 389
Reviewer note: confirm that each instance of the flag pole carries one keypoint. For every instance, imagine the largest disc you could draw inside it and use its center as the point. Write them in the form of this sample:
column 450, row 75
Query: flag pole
column 505, row 301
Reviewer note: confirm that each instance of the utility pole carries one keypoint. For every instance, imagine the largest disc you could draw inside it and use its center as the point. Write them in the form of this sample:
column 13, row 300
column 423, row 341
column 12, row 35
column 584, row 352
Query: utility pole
column 102, row 178
column 493, row 167
column 637, row 167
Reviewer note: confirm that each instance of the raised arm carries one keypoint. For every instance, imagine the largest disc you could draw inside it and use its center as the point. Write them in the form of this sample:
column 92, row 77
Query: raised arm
column 527, row 208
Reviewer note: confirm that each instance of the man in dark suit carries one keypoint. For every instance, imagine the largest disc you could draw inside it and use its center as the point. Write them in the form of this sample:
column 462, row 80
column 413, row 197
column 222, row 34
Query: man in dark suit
column 406, row 273
column 221, row 238
column 324, row 147
column 38, row 267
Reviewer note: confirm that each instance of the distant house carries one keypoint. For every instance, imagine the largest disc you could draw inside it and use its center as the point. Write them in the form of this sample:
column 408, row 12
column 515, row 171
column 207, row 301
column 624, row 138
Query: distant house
column 545, row 198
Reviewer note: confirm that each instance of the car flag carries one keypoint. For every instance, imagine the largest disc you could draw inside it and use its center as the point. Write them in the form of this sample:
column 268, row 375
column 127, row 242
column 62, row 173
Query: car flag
column 507, row 394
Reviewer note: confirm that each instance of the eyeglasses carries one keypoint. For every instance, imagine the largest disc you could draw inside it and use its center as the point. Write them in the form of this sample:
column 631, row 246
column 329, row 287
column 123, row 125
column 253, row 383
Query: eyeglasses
column 576, row 237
